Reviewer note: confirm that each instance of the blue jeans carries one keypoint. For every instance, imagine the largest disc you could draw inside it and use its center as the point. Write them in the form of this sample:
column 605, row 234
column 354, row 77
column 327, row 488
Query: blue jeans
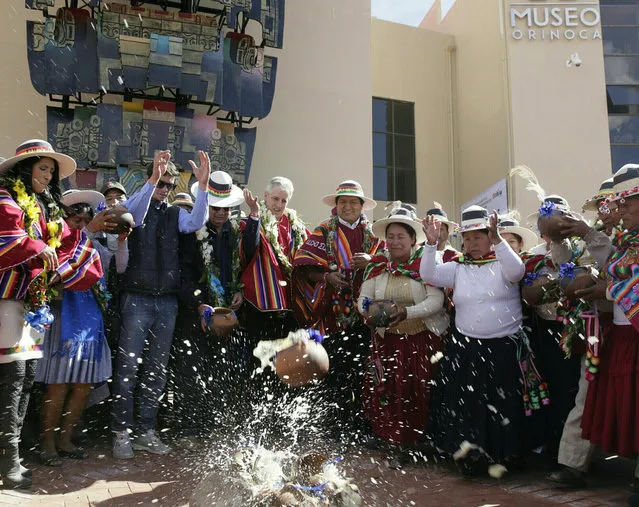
column 146, row 332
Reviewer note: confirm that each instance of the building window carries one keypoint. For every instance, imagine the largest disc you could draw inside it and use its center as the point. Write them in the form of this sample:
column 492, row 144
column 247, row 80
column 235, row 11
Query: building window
column 620, row 25
column 394, row 174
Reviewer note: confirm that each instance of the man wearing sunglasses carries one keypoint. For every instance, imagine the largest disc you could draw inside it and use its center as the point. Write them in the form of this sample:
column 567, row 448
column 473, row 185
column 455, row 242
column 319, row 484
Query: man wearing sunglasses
column 149, row 305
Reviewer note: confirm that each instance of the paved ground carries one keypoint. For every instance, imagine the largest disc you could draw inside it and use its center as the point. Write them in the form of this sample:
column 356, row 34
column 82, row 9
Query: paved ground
column 169, row 480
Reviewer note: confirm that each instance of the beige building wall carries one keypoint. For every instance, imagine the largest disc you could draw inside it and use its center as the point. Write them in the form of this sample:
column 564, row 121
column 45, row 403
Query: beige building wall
column 23, row 109
column 481, row 116
column 414, row 65
column 559, row 114
column 319, row 132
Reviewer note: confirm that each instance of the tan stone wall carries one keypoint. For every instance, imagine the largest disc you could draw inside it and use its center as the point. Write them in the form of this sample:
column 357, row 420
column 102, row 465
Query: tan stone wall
column 414, row 65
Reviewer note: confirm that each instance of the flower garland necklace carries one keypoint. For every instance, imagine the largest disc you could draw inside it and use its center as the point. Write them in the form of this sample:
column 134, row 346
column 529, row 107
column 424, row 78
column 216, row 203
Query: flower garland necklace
column 270, row 225
column 346, row 313
column 211, row 275
column 39, row 292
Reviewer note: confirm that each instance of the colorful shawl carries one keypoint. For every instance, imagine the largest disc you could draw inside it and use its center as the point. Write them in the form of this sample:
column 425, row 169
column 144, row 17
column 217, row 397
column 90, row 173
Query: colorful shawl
column 623, row 273
column 381, row 263
column 328, row 249
column 266, row 279
column 486, row 259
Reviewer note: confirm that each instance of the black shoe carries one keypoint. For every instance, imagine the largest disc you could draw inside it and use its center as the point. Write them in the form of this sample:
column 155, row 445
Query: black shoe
column 77, row 453
column 634, row 485
column 49, row 460
column 566, row 477
column 26, row 472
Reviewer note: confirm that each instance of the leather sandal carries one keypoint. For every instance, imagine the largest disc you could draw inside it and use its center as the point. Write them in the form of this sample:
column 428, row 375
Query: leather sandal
column 49, row 460
column 565, row 477
column 77, row 453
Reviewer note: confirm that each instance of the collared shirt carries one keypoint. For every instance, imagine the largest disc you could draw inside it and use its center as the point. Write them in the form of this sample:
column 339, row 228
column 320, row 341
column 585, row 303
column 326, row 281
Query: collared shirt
column 350, row 226
column 138, row 204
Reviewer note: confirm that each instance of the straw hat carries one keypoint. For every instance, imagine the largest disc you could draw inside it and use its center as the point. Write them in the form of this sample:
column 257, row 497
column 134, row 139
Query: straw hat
column 221, row 191
column 183, row 199
column 441, row 216
column 511, row 226
column 605, row 190
column 90, row 197
column 474, row 218
column 40, row 148
column 349, row 188
column 551, row 203
column 403, row 214
column 626, row 181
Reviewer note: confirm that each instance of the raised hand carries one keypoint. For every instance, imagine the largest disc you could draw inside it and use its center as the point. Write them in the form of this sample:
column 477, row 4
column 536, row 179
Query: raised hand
column 160, row 162
column 431, row 229
column 202, row 171
column 493, row 231
column 572, row 226
column 252, row 202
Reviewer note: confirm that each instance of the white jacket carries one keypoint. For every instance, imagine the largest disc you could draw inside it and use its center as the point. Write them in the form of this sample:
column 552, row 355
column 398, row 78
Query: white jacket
column 430, row 307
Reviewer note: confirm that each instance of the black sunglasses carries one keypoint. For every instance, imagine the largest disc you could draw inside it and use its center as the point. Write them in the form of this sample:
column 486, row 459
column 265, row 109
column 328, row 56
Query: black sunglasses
column 163, row 184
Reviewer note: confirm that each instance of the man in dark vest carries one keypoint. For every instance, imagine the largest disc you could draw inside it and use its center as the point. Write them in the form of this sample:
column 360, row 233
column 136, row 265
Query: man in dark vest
column 149, row 306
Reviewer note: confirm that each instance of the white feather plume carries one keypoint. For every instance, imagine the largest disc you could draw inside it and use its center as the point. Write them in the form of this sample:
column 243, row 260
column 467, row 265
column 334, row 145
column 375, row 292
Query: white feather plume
column 394, row 206
column 527, row 174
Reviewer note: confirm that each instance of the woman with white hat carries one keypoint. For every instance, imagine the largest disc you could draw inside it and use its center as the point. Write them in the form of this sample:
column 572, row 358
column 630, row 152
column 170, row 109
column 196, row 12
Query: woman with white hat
column 519, row 238
column 477, row 413
column 445, row 251
column 612, row 405
column 36, row 250
column 75, row 354
column 398, row 393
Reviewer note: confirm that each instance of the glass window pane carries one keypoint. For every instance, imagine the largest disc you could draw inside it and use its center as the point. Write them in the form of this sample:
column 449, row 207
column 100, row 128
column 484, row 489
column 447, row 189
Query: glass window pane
column 404, row 152
column 382, row 184
column 620, row 15
column 406, row 185
column 622, row 70
column 382, row 149
column 623, row 95
column 404, row 118
column 622, row 155
column 620, row 40
column 624, row 129
column 382, row 117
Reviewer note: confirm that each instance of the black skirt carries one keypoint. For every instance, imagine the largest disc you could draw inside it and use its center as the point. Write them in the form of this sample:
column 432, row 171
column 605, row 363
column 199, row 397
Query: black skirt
column 478, row 398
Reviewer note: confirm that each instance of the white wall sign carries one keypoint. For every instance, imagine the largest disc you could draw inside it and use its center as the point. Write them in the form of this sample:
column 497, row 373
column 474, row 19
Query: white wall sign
column 493, row 198
column 549, row 21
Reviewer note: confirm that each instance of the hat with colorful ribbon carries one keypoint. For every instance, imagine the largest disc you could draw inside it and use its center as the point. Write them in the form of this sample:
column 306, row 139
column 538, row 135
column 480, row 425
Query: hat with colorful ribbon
column 626, row 182
column 349, row 188
column 40, row 148
column 474, row 218
column 403, row 214
column 221, row 191
column 606, row 190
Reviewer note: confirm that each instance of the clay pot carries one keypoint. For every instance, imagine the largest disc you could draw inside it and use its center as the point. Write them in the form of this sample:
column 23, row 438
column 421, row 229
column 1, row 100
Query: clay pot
column 533, row 294
column 582, row 280
column 301, row 363
column 310, row 465
column 549, row 226
column 379, row 312
column 122, row 218
column 223, row 322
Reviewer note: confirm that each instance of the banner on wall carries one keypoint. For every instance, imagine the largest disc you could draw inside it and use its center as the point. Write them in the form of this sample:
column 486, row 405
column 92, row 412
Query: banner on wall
column 493, row 198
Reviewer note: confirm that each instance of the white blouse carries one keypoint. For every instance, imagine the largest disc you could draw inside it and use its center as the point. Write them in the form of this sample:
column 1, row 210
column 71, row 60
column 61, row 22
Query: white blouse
column 486, row 297
column 429, row 300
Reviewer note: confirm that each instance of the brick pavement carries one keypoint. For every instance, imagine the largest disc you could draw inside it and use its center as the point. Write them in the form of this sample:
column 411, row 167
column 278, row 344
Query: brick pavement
column 169, row 481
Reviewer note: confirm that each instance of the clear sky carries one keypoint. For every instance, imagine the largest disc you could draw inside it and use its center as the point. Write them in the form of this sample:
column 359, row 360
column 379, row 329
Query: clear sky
column 408, row 12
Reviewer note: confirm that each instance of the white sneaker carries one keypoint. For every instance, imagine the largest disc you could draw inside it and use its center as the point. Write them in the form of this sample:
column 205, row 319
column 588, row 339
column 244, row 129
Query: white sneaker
column 150, row 442
column 122, row 445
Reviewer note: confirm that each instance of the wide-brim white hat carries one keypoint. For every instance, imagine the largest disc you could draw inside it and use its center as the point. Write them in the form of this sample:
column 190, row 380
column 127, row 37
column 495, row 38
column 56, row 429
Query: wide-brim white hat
column 626, row 182
column 441, row 216
column 40, row 148
column 349, row 188
column 557, row 202
column 606, row 190
column 474, row 218
column 528, row 237
column 221, row 191
column 404, row 214
column 90, row 197
column 183, row 199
